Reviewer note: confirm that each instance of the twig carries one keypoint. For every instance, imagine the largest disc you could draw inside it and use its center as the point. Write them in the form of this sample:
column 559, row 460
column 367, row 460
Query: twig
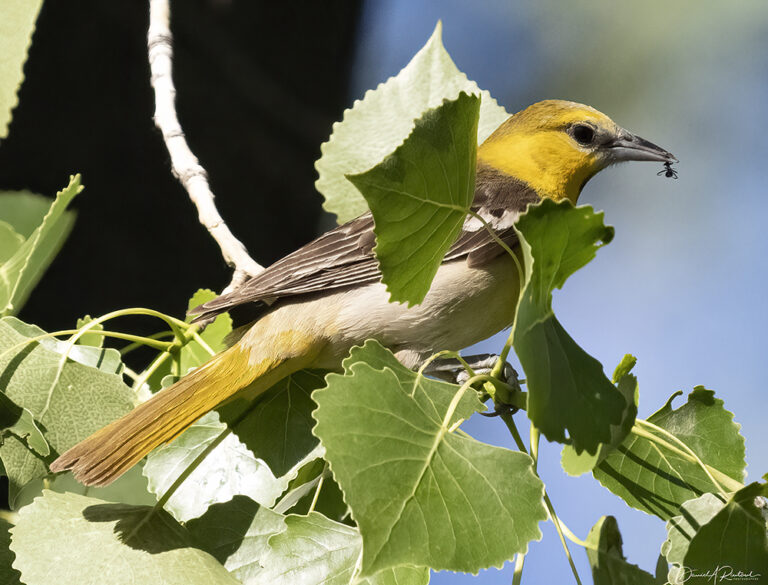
column 184, row 164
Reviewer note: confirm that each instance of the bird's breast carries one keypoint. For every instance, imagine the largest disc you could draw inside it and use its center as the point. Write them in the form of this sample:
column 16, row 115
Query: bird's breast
column 464, row 306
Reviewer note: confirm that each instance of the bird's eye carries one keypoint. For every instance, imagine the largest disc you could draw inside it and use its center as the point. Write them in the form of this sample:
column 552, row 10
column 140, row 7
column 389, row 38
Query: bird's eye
column 583, row 134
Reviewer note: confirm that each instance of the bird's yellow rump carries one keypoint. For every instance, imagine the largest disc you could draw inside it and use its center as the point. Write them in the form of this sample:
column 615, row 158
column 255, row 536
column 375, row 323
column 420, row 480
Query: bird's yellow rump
column 327, row 296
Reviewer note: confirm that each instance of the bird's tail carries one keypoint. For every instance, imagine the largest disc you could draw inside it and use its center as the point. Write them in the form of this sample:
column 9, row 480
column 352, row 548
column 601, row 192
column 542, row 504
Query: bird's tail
column 111, row 451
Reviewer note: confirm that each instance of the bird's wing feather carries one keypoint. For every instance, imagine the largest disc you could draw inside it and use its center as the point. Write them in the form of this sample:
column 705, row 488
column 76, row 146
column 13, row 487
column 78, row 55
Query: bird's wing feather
column 344, row 256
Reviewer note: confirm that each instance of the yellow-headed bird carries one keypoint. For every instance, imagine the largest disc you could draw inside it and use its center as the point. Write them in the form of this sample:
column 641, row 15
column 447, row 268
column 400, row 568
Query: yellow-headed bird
column 327, row 296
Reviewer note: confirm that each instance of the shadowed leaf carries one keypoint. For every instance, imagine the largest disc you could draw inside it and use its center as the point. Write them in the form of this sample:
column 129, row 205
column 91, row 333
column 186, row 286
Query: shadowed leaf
column 653, row 478
column 569, row 398
column 420, row 195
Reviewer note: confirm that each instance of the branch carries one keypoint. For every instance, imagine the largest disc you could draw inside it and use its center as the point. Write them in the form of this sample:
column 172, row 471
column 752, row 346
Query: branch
column 184, row 163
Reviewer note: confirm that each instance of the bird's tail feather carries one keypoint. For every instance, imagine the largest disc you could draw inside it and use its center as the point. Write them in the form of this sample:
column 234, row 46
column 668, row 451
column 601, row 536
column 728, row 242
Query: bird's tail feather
column 111, row 451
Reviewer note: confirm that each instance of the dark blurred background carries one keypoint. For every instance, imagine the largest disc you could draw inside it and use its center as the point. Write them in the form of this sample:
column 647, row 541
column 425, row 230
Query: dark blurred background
column 682, row 285
column 258, row 84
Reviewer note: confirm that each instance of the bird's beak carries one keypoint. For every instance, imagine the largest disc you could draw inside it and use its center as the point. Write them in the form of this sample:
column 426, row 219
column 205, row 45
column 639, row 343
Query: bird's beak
column 627, row 146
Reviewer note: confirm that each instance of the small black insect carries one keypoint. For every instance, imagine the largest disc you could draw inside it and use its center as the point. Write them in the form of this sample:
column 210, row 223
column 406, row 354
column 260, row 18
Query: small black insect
column 668, row 171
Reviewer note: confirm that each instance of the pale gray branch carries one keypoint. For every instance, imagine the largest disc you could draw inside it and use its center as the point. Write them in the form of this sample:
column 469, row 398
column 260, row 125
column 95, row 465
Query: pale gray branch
column 184, row 164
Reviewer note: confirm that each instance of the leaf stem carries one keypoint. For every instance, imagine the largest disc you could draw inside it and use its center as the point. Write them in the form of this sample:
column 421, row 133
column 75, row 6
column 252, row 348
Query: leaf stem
column 572, row 537
column 176, row 325
column 500, row 242
column 688, row 455
column 142, row 378
column 432, row 358
column 556, row 522
column 535, row 436
column 517, row 577
column 499, row 366
column 116, row 334
column 510, row 422
column 534, row 442
column 139, row 343
column 318, row 488
column 196, row 336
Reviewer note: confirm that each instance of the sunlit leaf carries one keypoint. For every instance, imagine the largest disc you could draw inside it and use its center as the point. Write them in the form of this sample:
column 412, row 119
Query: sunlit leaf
column 21, row 271
column 311, row 549
column 606, row 557
column 229, row 469
column 8, row 575
column 92, row 339
column 379, row 123
column 91, row 542
column 16, row 28
column 72, row 391
column 422, row 494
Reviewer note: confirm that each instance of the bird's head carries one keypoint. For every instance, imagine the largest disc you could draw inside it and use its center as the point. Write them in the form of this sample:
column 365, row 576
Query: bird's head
column 556, row 146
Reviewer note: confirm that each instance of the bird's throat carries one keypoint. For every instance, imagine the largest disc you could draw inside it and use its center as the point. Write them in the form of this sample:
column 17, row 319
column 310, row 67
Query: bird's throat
column 551, row 169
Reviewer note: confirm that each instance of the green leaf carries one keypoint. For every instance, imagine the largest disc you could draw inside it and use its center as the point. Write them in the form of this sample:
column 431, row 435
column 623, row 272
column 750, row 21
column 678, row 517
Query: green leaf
column 606, row 557
column 129, row 488
column 577, row 463
column 229, row 470
column 385, row 116
column 279, row 428
column 236, row 533
column 713, row 535
column 16, row 28
column 91, row 542
column 421, row 494
column 21, row 272
column 10, row 241
column 70, row 394
column 8, row 575
column 662, row 568
column 657, row 480
column 20, row 422
column 569, row 397
column 311, row 549
column 300, row 496
column 192, row 354
column 258, row 546
column 433, row 395
column 403, row 575
column 92, row 339
column 420, row 195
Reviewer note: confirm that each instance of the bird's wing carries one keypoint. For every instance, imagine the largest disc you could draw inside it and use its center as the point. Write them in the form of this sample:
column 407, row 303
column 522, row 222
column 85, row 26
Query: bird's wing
column 344, row 257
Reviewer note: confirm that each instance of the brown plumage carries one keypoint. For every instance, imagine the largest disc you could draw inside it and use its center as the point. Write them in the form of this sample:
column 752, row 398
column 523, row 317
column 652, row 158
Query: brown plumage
column 344, row 256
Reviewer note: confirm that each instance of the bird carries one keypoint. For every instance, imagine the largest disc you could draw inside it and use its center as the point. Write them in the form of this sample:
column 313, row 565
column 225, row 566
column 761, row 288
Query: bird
column 318, row 302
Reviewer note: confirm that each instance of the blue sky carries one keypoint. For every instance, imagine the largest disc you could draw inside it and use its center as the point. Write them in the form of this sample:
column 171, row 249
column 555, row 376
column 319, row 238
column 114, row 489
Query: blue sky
column 682, row 286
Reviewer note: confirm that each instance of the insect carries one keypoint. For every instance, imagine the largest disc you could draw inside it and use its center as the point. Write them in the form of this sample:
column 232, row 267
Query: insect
column 668, row 171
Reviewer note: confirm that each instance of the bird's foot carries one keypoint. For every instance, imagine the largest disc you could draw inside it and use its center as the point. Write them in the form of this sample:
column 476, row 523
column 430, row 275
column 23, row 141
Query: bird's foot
column 453, row 370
